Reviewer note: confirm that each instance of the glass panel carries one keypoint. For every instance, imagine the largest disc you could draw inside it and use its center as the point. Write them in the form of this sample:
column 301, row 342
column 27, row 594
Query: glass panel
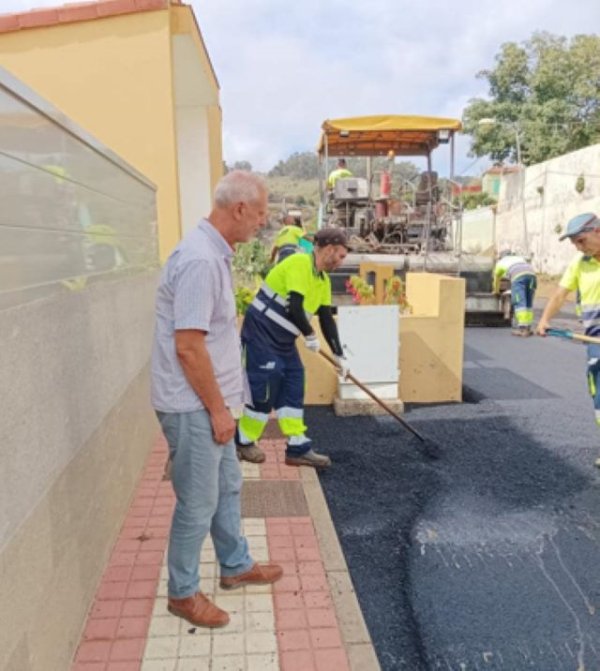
column 70, row 214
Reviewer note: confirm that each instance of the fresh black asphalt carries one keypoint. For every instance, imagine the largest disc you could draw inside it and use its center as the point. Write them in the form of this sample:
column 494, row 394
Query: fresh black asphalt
column 489, row 557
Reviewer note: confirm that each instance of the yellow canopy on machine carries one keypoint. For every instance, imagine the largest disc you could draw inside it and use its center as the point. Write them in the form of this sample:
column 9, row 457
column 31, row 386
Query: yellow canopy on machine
column 377, row 135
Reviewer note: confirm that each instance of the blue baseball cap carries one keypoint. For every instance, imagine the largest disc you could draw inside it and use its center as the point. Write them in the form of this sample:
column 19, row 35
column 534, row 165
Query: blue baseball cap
column 579, row 224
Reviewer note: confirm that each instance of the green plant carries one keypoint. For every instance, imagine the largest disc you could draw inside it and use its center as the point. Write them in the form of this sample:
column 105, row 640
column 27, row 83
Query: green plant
column 243, row 297
column 395, row 294
column 361, row 291
column 580, row 184
column 251, row 259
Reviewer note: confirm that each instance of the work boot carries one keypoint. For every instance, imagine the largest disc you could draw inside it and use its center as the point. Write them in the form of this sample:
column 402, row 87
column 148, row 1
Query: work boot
column 199, row 611
column 259, row 574
column 251, row 453
column 310, row 458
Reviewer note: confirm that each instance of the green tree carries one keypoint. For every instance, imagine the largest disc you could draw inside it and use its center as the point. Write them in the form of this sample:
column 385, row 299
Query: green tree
column 546, row 89
column 302, row 165
column 242, row 165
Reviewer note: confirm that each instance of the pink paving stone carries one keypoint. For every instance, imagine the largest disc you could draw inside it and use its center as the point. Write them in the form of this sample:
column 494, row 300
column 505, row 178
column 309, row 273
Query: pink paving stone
column 287, row 584
column 111, row 590
column 161, row 520
column 290, row 568
column 308, row 554
column 291, row 619
column 288, row 600
column 328, row 637
column 317, row 600
column 302, row 530
column 140, row 589
column 122, row 558
column 145, row 572
column 280, row 541
column 155, row 544
column 314, row 583
column 134, row 532
column 127, row 545
column 305, row 542
column 148, row 558
column 281, row 554
column 139, row 511
column 133, row 627
column 137, row 607
column 311, row 568
column 293, row 640
column 100, row 629
column 298, row 660
column 327, row 660
column 93, row 651
column 321, row 617
column 103, row 609
column 289, row 475
column 127, row 649
column 278, row 527
column 117, row 574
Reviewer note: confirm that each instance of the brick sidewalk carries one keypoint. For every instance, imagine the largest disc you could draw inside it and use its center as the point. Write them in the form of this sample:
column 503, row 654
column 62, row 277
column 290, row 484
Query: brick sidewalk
column 289, row 626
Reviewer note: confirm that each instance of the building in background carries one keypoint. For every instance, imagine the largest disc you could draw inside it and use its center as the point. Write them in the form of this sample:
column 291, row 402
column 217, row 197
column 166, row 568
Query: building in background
column 137, row 75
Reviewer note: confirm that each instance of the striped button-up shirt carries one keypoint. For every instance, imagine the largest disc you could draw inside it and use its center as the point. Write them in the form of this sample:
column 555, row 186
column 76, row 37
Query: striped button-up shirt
column 196, row 292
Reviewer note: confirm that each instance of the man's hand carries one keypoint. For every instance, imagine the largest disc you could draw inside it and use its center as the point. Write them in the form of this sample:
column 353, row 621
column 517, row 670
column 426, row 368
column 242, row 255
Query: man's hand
column 311, row 342
column 223, row 426
column 342, row 365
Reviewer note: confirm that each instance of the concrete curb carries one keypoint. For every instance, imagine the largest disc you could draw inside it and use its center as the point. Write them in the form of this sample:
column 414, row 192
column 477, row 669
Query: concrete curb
column 357, row 641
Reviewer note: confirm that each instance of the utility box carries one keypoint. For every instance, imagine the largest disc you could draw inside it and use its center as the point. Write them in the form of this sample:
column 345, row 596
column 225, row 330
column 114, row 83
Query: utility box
column 351, row 188
column 370, row 338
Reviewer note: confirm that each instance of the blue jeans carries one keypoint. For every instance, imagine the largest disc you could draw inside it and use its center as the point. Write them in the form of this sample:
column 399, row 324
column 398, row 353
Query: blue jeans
column 207, row 481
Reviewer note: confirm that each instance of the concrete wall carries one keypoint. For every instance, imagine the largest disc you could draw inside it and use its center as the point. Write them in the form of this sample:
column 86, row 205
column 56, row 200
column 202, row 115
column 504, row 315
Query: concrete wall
column 550, row 201
column 124, row 78
column 78, row 268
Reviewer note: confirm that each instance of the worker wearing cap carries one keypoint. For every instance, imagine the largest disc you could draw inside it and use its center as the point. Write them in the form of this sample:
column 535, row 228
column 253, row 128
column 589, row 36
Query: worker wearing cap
column 523, row 284
column 294, row 290
column 583, row 275
column 340, row 172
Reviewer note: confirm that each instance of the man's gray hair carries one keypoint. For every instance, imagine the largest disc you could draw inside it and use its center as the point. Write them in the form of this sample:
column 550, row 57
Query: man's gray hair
column 239, row 186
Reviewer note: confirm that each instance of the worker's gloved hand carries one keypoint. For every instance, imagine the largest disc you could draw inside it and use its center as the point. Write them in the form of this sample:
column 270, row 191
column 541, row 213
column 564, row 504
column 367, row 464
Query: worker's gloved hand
column 312, row 343
column 342, row 364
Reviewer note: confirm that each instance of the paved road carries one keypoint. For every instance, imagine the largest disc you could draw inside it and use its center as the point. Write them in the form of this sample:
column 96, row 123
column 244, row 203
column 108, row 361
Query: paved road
column 488, row 558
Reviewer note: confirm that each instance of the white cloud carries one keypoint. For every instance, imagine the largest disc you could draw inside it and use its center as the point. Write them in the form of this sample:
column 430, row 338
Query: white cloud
column 284, row 67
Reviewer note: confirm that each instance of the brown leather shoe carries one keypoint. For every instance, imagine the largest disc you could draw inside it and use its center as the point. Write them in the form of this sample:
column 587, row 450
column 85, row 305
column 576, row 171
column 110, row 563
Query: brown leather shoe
column 199, row 611
column 259, row 574
column 251, row 453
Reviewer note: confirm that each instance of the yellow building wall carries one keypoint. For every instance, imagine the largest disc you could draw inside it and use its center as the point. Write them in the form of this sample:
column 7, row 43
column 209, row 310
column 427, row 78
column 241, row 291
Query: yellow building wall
column 113, row 76
column 432, row 339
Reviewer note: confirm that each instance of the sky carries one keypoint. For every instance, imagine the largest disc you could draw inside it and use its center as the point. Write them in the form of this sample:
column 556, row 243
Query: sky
column 285, row 66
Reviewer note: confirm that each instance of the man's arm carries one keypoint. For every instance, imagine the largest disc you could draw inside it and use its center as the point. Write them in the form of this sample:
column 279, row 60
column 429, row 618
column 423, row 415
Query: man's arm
column 552, row 307
column 190, row 345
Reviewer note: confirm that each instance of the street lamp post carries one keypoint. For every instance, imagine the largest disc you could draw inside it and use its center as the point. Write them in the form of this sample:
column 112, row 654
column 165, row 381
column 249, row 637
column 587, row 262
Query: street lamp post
column 517, row 131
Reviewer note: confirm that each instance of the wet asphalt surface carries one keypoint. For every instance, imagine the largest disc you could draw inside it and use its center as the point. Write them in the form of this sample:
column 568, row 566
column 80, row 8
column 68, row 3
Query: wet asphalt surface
column 487, row 558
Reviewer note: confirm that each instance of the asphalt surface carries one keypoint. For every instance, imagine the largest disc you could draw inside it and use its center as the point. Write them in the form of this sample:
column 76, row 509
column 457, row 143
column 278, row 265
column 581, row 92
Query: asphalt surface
column 489, row 557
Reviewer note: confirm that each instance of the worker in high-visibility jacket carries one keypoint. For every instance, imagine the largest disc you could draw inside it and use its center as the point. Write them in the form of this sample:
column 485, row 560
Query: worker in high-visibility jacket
column 582, row 275
column 340, row 172
column 523, row 283
column 289, row 239
column 293, row 291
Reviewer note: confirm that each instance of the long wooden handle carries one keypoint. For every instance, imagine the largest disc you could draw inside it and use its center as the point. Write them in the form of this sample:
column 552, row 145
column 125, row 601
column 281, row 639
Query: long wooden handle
column 567, row 333
column 367, row 391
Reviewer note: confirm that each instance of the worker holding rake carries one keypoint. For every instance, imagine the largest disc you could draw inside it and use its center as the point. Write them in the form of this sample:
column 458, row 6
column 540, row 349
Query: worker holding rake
column 583, row 276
